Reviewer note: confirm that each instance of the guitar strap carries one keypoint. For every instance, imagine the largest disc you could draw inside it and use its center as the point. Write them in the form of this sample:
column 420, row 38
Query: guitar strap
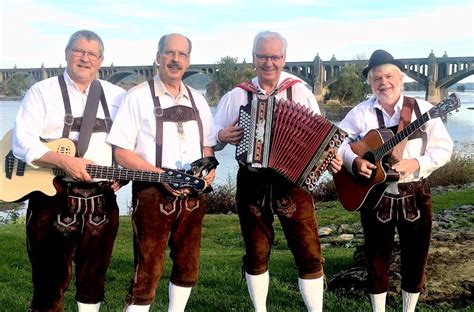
column 88, row 119
column 74, row 124
column 405, row 119
column 177, row 114
column 409, row 104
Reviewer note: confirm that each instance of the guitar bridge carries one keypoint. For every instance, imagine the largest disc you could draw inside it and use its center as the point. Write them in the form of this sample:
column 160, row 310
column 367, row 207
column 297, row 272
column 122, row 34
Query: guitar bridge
column 10, row 161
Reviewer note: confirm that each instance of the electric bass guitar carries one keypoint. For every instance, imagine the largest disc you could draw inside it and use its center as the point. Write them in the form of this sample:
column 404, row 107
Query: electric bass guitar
column 18, row 179
column 356, row 192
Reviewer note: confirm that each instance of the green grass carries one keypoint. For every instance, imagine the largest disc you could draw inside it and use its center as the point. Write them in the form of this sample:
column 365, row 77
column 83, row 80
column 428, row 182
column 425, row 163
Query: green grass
column 220, row 286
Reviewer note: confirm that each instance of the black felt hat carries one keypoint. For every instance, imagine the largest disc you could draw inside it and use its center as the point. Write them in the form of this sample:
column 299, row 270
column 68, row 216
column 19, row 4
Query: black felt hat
column 380, row 57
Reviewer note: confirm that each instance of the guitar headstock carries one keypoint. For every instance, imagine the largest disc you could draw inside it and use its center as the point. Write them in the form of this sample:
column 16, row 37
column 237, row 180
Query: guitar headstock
column 449, row 104
column 179, row 180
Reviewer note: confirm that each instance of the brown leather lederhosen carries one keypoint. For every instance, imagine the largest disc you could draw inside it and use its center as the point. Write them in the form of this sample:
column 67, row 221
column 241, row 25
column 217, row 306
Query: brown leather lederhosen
column 261, row 195
column 79, row 224
column 158, row 215
column 410, row 212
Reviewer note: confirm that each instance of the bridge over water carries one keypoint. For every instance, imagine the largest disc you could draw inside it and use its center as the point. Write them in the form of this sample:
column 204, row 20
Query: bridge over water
column 437, row 74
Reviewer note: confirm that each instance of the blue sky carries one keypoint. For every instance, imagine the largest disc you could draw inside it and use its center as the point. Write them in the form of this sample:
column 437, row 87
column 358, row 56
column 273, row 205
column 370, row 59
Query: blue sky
column 35, row 32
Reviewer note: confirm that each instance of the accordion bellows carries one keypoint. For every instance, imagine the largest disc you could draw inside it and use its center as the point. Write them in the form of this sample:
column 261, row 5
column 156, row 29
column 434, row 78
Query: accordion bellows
column 288, row 138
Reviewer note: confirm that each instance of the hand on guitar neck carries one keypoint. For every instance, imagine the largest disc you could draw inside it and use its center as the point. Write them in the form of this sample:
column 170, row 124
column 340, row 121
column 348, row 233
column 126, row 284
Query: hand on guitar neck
column 74, row 167
column 17, row 179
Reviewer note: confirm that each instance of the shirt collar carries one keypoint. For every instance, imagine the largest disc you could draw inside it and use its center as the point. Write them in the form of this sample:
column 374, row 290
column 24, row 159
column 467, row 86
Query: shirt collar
column 72, row 84
column 283, row 76
column 160, row 88
column 398, row 105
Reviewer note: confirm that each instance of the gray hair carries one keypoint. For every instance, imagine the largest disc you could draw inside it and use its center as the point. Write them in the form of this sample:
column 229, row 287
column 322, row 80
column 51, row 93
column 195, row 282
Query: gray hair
column 87, row 34
column 383, row 66
column 161, row 43
column 269, row 35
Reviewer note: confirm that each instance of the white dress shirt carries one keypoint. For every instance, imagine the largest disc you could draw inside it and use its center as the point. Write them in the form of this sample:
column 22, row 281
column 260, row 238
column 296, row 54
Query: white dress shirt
column 229, row 105
column 41, row 115
column 135, row 126
column 363, row 118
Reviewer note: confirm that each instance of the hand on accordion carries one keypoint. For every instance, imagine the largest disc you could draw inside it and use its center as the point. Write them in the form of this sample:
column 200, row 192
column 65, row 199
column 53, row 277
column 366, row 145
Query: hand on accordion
column 231, row 134
column 336, row 163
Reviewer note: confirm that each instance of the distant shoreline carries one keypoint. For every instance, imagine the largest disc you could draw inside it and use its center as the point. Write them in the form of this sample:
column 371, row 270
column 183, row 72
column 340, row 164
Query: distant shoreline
column 10, row 98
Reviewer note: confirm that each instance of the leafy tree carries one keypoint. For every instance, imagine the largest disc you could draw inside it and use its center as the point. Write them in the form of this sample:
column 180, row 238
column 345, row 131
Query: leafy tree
column 413, row 86
column 228, row 74
column 350, row 86
column 18, row 85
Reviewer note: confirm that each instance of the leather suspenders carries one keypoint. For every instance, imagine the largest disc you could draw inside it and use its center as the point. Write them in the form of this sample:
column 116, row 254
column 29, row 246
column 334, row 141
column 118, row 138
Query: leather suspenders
column 177, row 114
column 409, row 105
column 74, row 123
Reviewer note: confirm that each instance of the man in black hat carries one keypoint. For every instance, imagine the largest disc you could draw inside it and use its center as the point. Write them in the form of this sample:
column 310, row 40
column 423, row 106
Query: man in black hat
column 406, row 204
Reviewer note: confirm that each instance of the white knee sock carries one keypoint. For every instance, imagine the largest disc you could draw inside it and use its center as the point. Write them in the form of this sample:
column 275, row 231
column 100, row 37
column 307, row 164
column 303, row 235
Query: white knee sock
column 88, row 307
column 409, row 301
column 258, row 290
column 137, row 308
column 178, row 297
column 378, row 302
column 312, row 293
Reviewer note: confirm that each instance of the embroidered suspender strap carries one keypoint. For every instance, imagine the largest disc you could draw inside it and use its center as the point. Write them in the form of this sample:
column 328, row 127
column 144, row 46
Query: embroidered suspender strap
column 159, row 123
column 198, row 119
column 405, row 120
column 88, row 120
column 68, row 117
column 284, row 85
column 248, row 86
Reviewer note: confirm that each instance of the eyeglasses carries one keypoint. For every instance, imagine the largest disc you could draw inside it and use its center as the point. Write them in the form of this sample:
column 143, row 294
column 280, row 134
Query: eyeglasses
column 91, row 55
column 264, row 58
column 171, row 54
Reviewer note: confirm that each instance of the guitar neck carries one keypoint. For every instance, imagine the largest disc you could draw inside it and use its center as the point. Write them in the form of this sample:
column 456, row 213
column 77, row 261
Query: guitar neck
column 400, row 136
column 111, row 173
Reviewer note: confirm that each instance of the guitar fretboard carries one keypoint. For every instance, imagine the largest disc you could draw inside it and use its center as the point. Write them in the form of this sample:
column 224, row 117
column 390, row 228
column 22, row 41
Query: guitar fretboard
column 111, row 173
column 400, row 136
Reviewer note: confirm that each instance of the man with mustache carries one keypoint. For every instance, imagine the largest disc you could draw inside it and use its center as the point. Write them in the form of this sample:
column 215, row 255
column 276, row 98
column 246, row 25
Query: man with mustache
column 405, row 205
column 260, row 195
column 164, row 124
column 79, row 224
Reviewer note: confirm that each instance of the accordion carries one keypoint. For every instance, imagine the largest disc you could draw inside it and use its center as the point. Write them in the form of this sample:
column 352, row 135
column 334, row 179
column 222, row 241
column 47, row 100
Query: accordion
column 288, row 138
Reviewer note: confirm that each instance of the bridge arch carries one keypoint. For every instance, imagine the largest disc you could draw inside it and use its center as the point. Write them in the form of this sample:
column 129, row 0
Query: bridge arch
column 448, row 81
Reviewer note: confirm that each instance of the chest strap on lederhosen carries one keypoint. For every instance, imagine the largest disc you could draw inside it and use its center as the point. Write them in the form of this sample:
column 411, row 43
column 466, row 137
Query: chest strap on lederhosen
column 409, row 105
column 178, row 113
column 74, row 123
column 284, row 85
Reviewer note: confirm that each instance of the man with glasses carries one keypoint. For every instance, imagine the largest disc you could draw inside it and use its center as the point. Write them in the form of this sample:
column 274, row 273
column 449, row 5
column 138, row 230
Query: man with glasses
column 164, row 124
column 78, row 224
column 259, row 195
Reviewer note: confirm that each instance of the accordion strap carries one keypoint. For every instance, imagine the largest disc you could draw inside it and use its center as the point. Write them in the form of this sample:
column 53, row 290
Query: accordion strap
column 284, row 85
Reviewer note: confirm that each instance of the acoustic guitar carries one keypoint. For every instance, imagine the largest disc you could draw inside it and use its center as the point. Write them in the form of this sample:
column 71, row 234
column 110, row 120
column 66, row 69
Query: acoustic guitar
column 17, row 179
column 356, row 192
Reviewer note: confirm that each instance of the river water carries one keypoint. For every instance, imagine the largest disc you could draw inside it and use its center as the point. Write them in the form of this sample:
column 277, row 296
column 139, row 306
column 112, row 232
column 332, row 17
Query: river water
column 459, row 124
